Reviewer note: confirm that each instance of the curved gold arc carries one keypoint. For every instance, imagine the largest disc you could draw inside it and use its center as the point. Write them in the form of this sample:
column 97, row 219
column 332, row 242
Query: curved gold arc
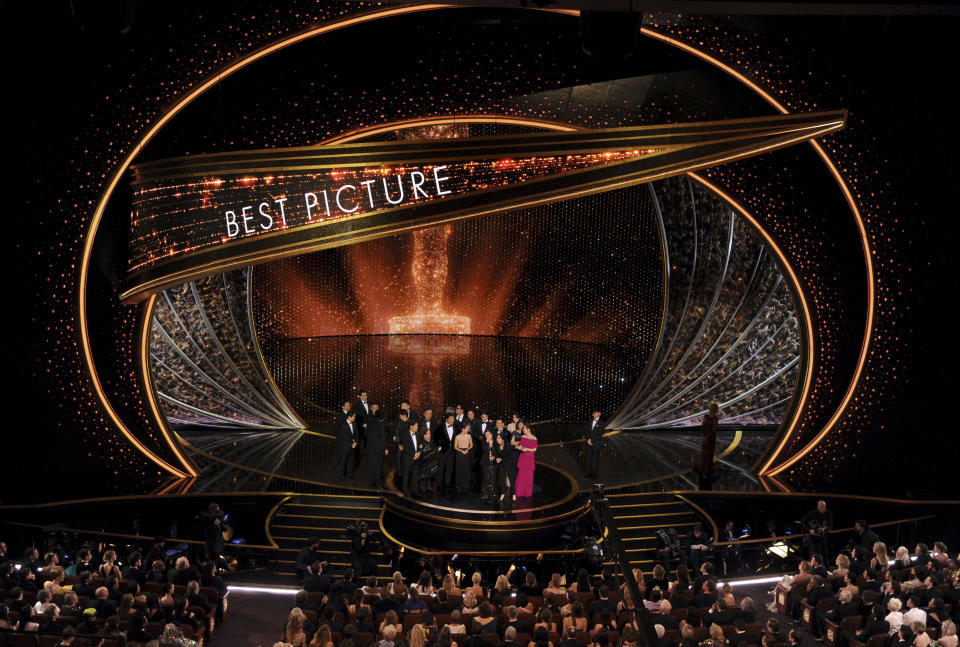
column 766, row 470
column 147, row 376
column 574, row 491
column 269, row 519
column 370, row 131
column 387, row 13
column 118, row 174
column 807, row 319
column 491, row 553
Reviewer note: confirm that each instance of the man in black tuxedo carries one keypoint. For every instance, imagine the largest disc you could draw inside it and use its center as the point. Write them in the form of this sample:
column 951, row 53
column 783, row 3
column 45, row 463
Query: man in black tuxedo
column 428, row 423
column 514, row 621
column 570, row 638
column 720, row 614
column 593, row 433
column 105, row 608
column 401, row 429
column 707, row 595
column 474, row 426
column 362, row 407
column 459, row 416
column 409, row 459
column 411, row 414
column 316, row 581
column 345, row 409
column 346, row 443
column 819, row 590
column 817, row 567
column 376, row 448
column 863, row 536
column 485, row 424
column 706, row 573
column 846, row 609
column 742, row 637
column 444, row 438
column 667, row 619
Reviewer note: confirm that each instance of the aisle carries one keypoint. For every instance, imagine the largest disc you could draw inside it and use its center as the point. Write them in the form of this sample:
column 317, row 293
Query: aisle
column 254, row 619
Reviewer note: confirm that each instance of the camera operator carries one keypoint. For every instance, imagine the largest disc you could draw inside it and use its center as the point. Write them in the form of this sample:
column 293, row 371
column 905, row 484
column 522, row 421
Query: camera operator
column 362, row 542
column 307, row 556
column 668, row 547
column 212, row 523
column 817, row 525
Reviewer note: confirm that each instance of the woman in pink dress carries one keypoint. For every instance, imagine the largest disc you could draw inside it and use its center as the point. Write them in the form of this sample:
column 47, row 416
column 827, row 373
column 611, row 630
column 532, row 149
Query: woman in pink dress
column 526, row 462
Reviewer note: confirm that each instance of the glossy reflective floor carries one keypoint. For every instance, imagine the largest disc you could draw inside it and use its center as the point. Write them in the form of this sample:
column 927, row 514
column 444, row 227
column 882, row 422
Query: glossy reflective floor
column 650, row 461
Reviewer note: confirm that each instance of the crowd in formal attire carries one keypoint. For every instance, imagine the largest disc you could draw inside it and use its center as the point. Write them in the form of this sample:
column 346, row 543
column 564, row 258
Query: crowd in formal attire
column 872, row 598
column 148, row 599
column 516, row 610
column 459, row 452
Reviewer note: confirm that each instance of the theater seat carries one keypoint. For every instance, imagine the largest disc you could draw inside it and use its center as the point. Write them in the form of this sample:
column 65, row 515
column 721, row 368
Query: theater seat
column 362, row 638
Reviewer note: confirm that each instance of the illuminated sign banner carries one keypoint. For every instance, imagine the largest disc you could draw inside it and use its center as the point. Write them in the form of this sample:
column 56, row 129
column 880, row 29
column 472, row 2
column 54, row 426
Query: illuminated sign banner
column 199, row 214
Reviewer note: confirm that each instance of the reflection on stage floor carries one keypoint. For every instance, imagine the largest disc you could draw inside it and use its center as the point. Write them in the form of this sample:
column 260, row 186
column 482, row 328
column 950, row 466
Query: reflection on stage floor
column 648, row 460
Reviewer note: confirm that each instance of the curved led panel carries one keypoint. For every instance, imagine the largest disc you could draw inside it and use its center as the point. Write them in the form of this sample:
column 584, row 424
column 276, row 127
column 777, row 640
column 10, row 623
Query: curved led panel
column 206, row 363
column 731, row 333
column 196, row 215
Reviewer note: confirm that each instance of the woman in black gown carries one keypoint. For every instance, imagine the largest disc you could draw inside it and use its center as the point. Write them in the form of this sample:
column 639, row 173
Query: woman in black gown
column 503, row 476
column 463, row 462
column 490, row 464
column 429, row 462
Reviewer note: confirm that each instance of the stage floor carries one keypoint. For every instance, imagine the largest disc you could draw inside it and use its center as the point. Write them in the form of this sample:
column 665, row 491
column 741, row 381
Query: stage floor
column 650, row 460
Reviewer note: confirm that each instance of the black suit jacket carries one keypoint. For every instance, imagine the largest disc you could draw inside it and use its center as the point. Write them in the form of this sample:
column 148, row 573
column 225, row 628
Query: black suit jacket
column 519, row 625
column 819, row 593
column 722, row 618
column 845, row 610
column 745, row 639
column 704, row 600
column 362, row 413
column 440, row 438
column 598, row 606
column 376, row 437
column 414, row 417
column 491, row 426
column 408, row 447
column 434, row 429
column 401, row 428
column 667, row 621
column 596, row 432
column 105, row 609
column 345, row 436
column 316, row 584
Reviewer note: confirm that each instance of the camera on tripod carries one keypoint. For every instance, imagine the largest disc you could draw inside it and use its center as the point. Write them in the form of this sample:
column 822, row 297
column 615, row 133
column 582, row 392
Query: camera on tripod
column 358, row 528
column 669, row 541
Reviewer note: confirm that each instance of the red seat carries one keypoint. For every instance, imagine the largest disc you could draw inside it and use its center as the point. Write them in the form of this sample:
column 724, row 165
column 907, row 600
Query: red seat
column 491, row 638
column 362, row 638
column 410, row 621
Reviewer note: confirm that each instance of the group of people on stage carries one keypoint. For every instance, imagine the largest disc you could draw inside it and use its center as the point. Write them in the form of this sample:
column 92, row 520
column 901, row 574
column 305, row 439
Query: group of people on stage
column 455, row 454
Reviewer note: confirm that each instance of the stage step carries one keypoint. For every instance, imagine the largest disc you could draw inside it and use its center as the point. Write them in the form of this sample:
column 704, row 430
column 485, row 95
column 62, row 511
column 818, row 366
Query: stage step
column 324, row 516
column 638, row 516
